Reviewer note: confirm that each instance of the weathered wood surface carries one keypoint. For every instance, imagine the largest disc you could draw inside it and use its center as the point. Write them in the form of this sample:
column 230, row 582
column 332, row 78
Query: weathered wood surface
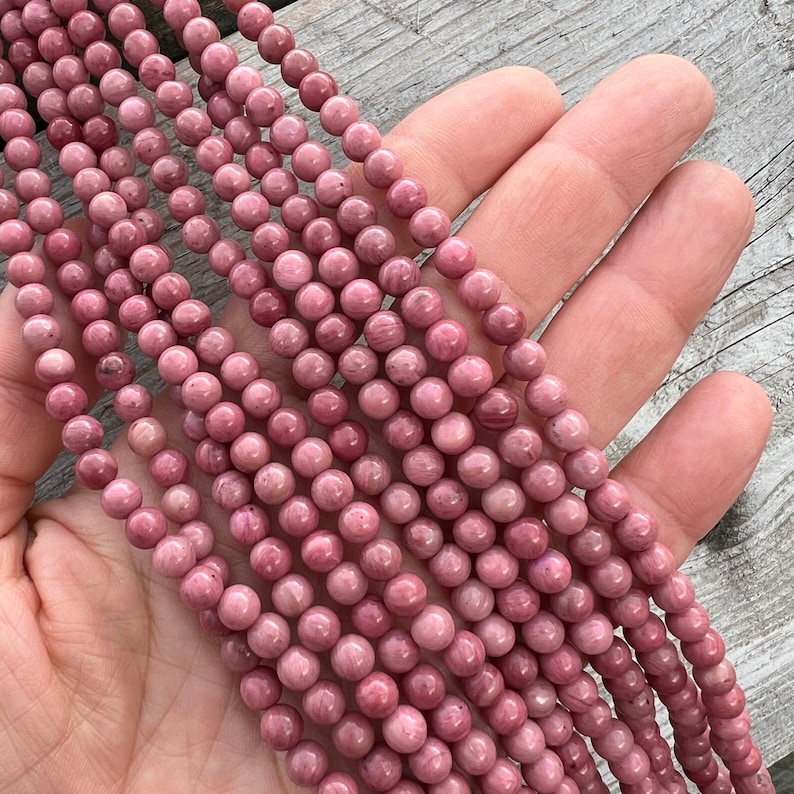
column 392, row 54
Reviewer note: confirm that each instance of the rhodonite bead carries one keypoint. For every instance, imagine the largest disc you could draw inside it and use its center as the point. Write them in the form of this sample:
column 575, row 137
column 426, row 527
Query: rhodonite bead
column 281, row 727
column 405, row 729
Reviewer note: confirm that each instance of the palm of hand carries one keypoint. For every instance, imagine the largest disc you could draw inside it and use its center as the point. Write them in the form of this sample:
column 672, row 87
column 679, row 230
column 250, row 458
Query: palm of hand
column 107, row 685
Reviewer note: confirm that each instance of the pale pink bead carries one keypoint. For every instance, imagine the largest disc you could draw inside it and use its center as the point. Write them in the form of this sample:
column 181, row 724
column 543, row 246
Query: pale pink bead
column 470, row 376
column 423, row 538
column 378, row 399
column 397, row 651
column 332, row 188
column 359, row 139
column 497, row 634
column 432, row 762
column 346, row 584
column 473, row 600
column 475, row 754
column 504, row 501
column 543, row 481
column 292, row 595
column 335, row 782
column 286, row 426
column 527, row 744
column 358, row 364
column 382, row 167
column 248, row 524
column 319, row 628
column 380, row 559
column 331, row 490
column 405, row 729
column 173, row 556
column 433, row 628
column 298, row 668
column 431, row 398
column 274, row 483
column 405, row 595
column 546, row 395
column 496, row 567
column 567, row 514
column 550, row 572
column 352, row 658
column 632, row 767
column 271, row 559
column 609, row 501
column 610, row 578
column 452, row 434
column 423, row 465
column 654, row 564
column 82, row 433
column 424, row 686
column 239, row 607
column 429, row 226
column 450, row 566
column 181, row 503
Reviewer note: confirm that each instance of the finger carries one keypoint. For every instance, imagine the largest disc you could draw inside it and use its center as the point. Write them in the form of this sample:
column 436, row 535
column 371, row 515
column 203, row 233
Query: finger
column 554, row 212
column 635, row 311
column 463, row 140
column 699, row 457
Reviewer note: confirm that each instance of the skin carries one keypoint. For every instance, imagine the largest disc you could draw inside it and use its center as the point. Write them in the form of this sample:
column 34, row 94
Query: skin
column 107, row 685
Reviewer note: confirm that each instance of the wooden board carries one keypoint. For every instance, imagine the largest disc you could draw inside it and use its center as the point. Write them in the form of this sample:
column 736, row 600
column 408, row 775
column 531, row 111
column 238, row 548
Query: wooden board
column 392, row 54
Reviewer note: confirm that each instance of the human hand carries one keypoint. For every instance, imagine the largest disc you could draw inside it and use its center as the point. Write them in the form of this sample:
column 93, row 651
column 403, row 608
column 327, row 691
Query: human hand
column 107, row 682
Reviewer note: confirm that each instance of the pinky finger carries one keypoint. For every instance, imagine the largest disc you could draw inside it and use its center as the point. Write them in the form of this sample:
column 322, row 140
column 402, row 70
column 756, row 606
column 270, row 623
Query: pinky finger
column 697, row 460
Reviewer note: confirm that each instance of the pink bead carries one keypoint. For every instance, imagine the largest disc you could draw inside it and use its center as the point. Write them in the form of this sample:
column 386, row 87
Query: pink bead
column 260, row 689
column 545, row 774
column 452, row 434
column 476, row 753
column 382, row 167
column 405, row 729
column 377, row 695
column 281, row 727
column 450, row 566
column 496, row 567
column 432, row 762
column 447, row 499
column 397, row 652
column 433, row 628
column 544, row 632
column 429, row 226
column 465, row 655
column 517, row 602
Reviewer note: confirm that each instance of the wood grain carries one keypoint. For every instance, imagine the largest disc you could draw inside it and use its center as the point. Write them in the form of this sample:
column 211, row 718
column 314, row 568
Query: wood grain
column 393, row 54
